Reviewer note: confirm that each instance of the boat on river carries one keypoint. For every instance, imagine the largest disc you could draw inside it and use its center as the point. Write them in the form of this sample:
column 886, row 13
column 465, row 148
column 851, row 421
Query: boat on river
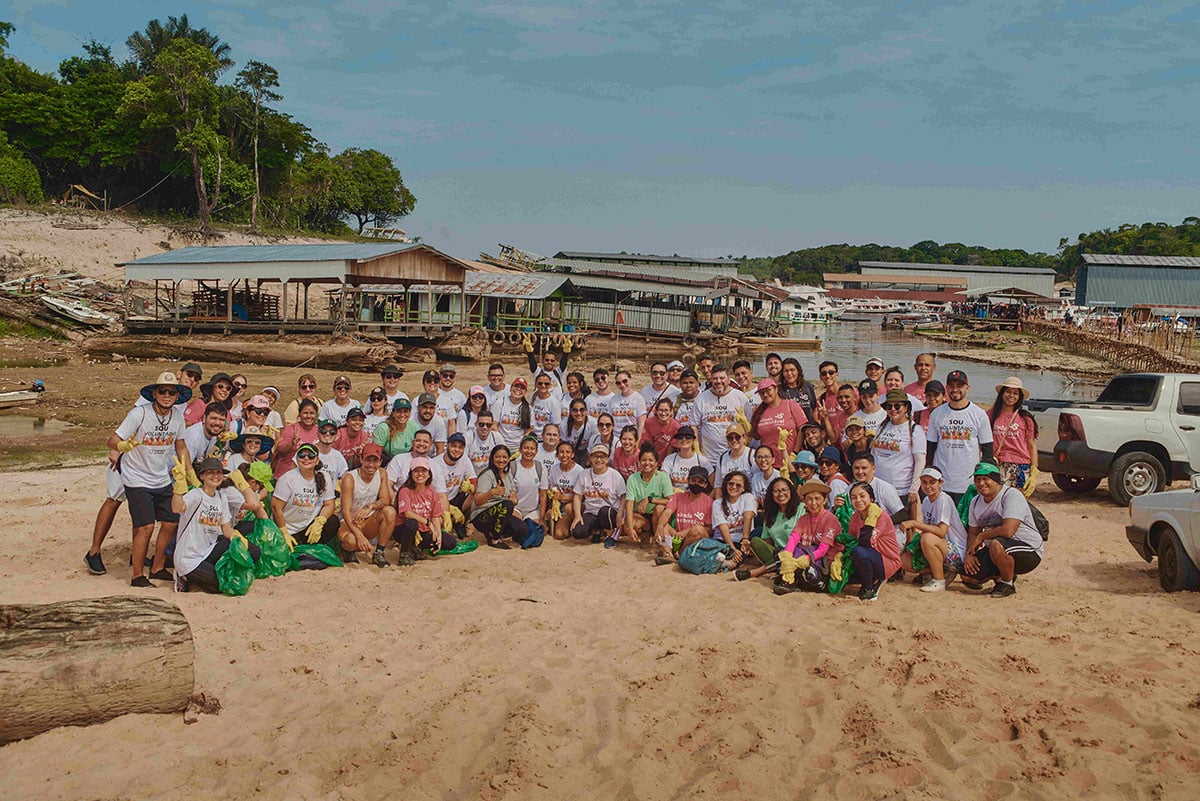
column 77, row 310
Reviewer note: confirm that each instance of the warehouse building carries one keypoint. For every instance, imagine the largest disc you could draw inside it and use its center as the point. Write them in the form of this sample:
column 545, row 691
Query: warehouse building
column 1123, row 282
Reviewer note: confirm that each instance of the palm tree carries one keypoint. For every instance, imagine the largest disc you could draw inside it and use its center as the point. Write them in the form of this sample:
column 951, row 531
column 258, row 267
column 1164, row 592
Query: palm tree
column 146, row 45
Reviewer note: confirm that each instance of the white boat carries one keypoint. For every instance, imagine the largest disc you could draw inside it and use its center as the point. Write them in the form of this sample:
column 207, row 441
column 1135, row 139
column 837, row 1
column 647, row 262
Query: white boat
column 76, row 310
column 806, row 305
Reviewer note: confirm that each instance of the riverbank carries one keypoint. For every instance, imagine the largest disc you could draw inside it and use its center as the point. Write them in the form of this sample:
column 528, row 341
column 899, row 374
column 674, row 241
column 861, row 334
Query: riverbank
column 1018, row 350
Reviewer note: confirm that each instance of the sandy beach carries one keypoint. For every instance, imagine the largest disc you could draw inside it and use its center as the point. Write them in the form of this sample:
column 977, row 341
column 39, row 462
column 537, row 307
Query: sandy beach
column 573, row 672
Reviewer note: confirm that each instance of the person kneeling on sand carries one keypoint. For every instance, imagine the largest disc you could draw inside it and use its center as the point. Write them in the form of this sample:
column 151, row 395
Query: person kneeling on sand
column 598, row 494
column 804, row 561
column 692, row 515
column 367, row 511
column 646, row 495
column 419, row 513
column 1002, row 538
column 877, row 554
column 302, row 505
column 205, row 529
column 943, row 538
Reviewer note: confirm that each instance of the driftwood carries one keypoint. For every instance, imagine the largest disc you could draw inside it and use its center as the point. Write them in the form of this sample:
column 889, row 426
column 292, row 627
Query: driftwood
column 354, row 356
column 77, row 663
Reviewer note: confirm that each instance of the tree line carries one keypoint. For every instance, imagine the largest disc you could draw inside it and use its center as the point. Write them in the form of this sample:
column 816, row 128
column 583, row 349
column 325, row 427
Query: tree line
column 172, row 129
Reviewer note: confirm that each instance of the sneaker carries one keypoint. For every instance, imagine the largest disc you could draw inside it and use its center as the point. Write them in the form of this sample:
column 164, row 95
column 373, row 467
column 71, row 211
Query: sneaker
column 868, row 594
column 934, row 585
column 378, row 558
column 95, row 564
column 501, row 544
column 897, row 576
column 405, row 559
column 181, row 583
column 785, row 589
column 141, row 581
column 1003, row 590
column 659, row 561
column 595, row 538
column 611, row 542
column 741, row 574
column 972, row 584
column 419, row 555
column 349, row 557
column 162, row 575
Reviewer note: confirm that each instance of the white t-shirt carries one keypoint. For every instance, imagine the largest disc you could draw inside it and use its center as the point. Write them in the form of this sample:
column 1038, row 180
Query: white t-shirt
column 894, row 448
column 651, row 395
column 872, row 420
column 334, row 465
column 301, row 501
column 199, row 528
column 942, row 510
column 234, row 501
column 480, row 450
column 148, row 466
column 556, row 379
column 959, row 434
column 331, row 411
column 448, row 478
column 199, row 444
column 1008, row 504
column 727, row 463
column 677, row 468
column 508, row 419
column 685, row 411
column 713, row 416
column 626, row 411
column 543, row 412
column 371, row 421
column 399, row 467
column 450, row 403
column 436, row 428
column 564, row 481
column 529, row 480
column 390, row 400
column 548, row 458
column 598, row 404
column 493, row 396
column 746, row 502
column 886, row 496
column 600, row 491
column 759, row 483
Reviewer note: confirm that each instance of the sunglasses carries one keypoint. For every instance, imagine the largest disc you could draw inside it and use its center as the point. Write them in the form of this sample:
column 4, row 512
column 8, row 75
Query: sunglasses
column 604, row 425
column 255, row 410
column 308, row 386
column 386, row 376
column 375, row 398
column 893, row 407
column 829, row 372
column 734, row 438
column 327, row 432
column 240, row 384
column 306, row 455
column 658, row 372
column 191, row 375
column 166, row 391
column 826, row 463
column 449, row 375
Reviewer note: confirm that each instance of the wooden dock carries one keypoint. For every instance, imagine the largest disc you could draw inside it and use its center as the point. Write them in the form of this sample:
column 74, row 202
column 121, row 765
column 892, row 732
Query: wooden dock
column 1162, row 355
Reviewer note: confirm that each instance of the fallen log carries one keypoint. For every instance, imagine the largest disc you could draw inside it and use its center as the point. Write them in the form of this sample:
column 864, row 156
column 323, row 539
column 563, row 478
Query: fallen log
column 279, row 351
column 77, row 663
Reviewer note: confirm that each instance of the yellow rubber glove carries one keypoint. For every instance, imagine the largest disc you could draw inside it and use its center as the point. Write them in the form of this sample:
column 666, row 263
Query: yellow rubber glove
column 456, row 515
column 290, row 540
column 739, row 417
column 803, row 561
column 788, row 565
column 447, row 521
column 871, row 515
column 314, row 530
column 555, row 512
column 467, row 485
column 179, row 476
column 527, row 343
column 237, row 535
column 239, row 480
column 568, row 344
column 126, row 445
column 835, row 568
column 192, row 478
column 227, row 435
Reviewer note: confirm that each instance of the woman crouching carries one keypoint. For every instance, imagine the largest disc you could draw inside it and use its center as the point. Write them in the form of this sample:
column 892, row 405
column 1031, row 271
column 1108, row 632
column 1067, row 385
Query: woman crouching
column 206, row 529
column 877, row 554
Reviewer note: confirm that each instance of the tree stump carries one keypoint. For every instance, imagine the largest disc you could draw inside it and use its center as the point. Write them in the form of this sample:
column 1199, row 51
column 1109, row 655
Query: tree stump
column 77, row 663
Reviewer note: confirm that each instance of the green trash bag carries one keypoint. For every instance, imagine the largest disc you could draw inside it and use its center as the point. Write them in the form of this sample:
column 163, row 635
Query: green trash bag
column 919, row 562
column 462, row 546
column 843, row 513
column 848, row 543
column 235, row 569
column 964, row 504
column 319, row 552
column 276, row 556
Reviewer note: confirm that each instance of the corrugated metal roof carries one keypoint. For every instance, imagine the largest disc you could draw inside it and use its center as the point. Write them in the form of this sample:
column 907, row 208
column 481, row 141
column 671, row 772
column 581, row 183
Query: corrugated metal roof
column 659, row 271
column 1126, row 286
column 594, row 281
column 530, row 286
column 876, row 278
column 1142, row 261
column 246, row 254
column 958, row 268
column 632, row 258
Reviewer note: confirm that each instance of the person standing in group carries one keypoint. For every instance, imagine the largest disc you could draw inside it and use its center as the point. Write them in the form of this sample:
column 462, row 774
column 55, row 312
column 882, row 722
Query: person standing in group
column 574, row 389
column 335, row 410
column 428, row 420
column 450, row 399
column 773, row 364
column 935, row 396
column 497, row 388
column 874, row 370
column 660, row 427
column 659, row 387
column 550, row 367
column 828, row 373
column 795, row 387
column 899, row 449
column 390, row 376
column 601, row 399
column 377, row 410
column 307, row 386
column 188, row 377
column 924, row 366
column 736, row 458
column 514, row 418
column 675, row 370
column 777, row 422
column 220, row 388
column 869, row 408
column 367, row 510
column 274, row 420
column 1014, row 433
column 208, row 437
column 893, row 379
column 628, row 408
column 959, row 436
column 476, row 403
column 579, row 429
column 352, row 437
column 143, row 448
column 560, row 492
column 303, row 430
column 482, row 439
column 624, row 458
column 547, row 453
column 332, row 461
column 395, row 435
column 717, row 408
column 543, row 407
column 835, row 421
column 689, row 391
column 680, row 464
column 704, row 366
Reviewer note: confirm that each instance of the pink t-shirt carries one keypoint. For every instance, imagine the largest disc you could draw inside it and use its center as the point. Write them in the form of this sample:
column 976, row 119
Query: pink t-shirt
column 624, row 463
column 917, row 390
column 883, row 539
column 691, row 510
column 1011, row 432
column 819, row 530
column 787, row 415
column 423, row 502
column 285, row 438
column 659, row 435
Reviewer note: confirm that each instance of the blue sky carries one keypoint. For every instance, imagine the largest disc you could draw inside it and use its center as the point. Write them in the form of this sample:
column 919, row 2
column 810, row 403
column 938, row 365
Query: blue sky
column 732, row 128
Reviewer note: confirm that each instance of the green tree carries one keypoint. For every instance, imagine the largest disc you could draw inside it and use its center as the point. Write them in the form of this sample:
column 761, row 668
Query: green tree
column 180, row 95
column 6, row 30
column 19, row 179
column 257, row 80
column 374, row 191
column 147, row 45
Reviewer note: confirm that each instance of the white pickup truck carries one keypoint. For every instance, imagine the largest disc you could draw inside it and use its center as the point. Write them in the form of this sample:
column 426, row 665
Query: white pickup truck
column 1142, row 433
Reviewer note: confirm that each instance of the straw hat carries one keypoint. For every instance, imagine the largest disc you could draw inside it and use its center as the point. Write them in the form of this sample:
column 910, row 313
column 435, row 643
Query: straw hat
column 813, row 486
column 167, row 379
column 1012, row 382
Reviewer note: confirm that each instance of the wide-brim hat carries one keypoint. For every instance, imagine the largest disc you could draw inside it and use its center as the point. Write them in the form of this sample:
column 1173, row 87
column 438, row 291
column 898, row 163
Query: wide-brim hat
column 1012, row 382
column 813, row 486
column 261, row 472
column 207, row 387
column 208, row 464
column 168, row 379
column 238, row 442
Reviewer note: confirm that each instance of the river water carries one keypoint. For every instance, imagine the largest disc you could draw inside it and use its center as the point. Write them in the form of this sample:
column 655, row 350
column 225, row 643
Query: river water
column 850, row 344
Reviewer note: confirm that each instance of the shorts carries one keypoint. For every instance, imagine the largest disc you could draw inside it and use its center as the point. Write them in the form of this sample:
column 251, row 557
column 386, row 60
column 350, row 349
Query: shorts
column 954, row 557
column 1014, row 475
column 1025, row 558
column 114, row 485
column 150, row 506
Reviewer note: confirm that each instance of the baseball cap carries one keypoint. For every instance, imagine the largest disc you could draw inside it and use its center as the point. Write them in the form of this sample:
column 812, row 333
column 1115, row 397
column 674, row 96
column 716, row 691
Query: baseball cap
column 323, row 424
column 456, row 437
column 956, row 377
column 341, row 379
column 689, row 374
column 936, row 387
column 401, row 403
column 874, row 361
column 391, row 369
column 520, row 381
column 685, row 432
column 356, row 412
column 698, row 472
column 192, row 367
column 426, row 397
column 868, row 387
column 675, row 364
column 448, row 368
column 420, row 461
column 372, row 449
column 258, row 402
column 476, row 390
column 812, row 424
column 308, row 446
column 805, row 458
column 431, row 375
column 831, row 453
column 599, row 447
column 986, row 469
column 766, row 383
column 209, row 463
column 897, row 396
column 855, row 421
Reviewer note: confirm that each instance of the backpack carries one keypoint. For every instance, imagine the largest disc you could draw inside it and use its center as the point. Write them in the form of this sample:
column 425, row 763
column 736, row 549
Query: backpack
column 1040, row 521
column 704, row 556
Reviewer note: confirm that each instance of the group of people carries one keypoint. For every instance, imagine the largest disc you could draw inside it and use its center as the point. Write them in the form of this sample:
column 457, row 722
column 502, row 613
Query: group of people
column 810, row 484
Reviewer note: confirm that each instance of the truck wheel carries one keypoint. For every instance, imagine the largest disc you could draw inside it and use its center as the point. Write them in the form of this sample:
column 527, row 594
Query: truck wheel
column 1075, row 484
column 1133, row 474
column 1176, row 570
